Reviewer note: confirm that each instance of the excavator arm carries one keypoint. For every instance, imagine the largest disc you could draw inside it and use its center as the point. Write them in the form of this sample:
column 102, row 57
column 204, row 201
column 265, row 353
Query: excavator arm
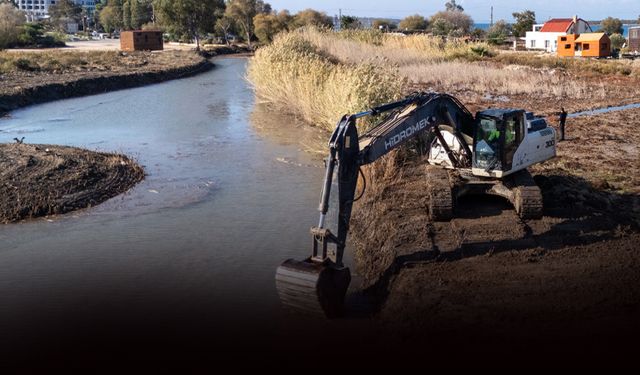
column 319, row 283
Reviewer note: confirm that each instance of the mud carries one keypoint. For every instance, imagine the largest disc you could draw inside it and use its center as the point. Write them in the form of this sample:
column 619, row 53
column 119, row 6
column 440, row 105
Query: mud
column 41, row 180
column 573, row 274
column 23, row 88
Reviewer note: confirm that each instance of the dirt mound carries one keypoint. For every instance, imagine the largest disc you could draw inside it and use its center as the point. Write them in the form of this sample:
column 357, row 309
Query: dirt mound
column 40, row 180
column 489, row 272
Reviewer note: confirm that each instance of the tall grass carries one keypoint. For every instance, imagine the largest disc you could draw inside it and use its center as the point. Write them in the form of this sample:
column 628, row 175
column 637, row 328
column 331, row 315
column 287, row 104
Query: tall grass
column 598, row 67
column 296, row 75
column 490, row 79
column 391, row 49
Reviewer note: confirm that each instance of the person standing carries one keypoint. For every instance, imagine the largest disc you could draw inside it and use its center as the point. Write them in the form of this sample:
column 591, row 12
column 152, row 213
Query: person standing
column 563, row 120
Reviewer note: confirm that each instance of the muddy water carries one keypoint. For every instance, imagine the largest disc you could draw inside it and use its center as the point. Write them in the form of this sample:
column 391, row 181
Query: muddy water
column 598, row 111
column 230, row 193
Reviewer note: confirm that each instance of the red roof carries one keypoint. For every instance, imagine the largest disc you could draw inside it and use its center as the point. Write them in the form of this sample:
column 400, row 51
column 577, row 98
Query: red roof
column 557, row 25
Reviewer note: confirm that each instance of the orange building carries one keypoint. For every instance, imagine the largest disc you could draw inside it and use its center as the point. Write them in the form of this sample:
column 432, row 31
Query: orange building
column 141, row 40
column 584, row 45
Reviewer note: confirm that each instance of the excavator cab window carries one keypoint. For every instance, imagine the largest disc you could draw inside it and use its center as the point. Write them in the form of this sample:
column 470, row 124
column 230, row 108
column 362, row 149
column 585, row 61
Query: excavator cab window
column 487, row 151
column 513, row 134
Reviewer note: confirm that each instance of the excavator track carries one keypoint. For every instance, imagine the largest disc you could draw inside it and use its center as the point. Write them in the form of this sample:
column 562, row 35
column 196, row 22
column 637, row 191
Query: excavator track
column 439, row 192
column 527, row 197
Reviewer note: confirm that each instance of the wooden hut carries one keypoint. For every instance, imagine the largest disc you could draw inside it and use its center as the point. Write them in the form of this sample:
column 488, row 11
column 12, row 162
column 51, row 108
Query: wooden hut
column 141, row 40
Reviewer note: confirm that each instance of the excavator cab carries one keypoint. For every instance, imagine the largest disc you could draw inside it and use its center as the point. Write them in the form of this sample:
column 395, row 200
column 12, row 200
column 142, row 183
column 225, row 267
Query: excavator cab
column 498, row 134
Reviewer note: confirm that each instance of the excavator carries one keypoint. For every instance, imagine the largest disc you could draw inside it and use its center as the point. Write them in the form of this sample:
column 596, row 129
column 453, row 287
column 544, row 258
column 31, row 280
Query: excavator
column 485, row 154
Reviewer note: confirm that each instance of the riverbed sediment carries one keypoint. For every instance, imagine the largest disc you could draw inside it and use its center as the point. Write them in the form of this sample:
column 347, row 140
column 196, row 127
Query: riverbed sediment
column 41, row 180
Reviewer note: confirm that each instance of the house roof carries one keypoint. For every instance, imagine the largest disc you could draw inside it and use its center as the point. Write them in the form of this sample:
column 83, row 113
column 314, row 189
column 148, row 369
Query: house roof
column 589, row 37
column 557, row 25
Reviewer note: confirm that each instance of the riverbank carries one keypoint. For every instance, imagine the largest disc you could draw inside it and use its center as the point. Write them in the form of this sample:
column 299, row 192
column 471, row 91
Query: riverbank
column 487, row 272
column 42, row 180
column 37, row 77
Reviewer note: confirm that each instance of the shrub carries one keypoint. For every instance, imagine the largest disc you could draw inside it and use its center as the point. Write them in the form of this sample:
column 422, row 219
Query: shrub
column 11, row 19
column 26, row 65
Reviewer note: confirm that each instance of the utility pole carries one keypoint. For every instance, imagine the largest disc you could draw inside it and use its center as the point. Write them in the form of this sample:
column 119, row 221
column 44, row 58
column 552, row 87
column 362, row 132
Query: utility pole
column 491, row 24
column 339, row 19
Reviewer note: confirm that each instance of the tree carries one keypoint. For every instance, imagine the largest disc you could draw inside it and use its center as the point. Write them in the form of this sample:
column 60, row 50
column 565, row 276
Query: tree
column 524, row 22
column 267, row 26
column 452, row 6
column 499, row 32
column 110, row 16
column 126, row 15
column 10, row 2
column 312, row 17
column 11, row 20
column 611, row 26
column 478, row 33
column 454, row 22
column 191, row 18
column 617, row 41
column 441, row 27
column 383, row 25
column 136, row 13
column 349, row 23
column 415, row 22
column 285, row 18
column 243, row 11
column 65, row 10
column 225, row 25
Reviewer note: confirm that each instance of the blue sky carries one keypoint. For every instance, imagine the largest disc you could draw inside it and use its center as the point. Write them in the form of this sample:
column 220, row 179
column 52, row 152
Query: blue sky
column 478, row 9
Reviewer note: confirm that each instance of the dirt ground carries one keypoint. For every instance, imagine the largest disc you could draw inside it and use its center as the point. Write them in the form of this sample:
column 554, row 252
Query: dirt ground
column 41, row 180
column 574, row 274
column 59, row 74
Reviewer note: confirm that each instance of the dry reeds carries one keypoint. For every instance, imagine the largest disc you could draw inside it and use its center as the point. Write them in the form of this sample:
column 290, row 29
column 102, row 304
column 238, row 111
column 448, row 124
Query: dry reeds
column 295, row 75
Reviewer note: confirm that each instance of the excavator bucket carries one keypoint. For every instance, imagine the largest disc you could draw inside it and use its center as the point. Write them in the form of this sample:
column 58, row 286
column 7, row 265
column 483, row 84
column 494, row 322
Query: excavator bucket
column 313, row 287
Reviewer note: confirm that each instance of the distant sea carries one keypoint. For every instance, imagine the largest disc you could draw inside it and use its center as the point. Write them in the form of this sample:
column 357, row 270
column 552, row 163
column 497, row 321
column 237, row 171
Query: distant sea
column 485, row 26
column 482, row 26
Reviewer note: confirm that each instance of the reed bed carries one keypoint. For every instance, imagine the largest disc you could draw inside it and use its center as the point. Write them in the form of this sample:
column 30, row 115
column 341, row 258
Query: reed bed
column 295, row 75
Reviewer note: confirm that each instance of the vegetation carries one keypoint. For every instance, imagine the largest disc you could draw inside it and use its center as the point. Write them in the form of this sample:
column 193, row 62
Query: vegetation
column 310, row 17
column 32, row 35
column 110, row 16
column 349, row 23
column 452, row 6
column 267, row 25
column 415, row 22
column 59, row 62
column 11, row 20
column 524, row 22
column 499, row 32
column 451, row 22
column 617, row 41
column 243, row 11
column 64, row 11
column 293, row 73
column 383, row 25
column 578, row 66
column 191, row 18
column 611, row 26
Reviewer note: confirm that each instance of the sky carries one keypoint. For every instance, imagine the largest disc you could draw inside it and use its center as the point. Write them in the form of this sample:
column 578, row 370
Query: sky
column 480, row 10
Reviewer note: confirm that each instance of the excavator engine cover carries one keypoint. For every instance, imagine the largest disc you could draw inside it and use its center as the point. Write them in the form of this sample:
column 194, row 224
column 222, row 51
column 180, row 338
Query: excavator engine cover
column 317, row 288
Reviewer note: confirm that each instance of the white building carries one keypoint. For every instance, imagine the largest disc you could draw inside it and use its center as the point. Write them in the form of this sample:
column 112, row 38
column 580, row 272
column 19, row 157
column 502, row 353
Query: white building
column 39, row 9
column 545, row 36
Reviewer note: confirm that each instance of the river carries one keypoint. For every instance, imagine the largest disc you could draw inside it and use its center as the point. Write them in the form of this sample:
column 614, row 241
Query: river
column 189, row 252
